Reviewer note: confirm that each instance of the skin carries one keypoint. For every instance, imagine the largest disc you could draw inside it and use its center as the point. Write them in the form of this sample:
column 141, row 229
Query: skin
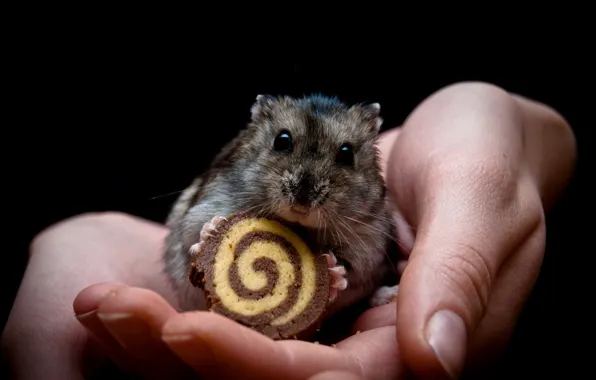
column 476, row 169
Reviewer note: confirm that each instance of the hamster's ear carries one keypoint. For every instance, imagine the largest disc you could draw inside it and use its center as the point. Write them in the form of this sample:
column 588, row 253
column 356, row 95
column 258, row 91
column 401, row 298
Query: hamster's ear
column 371, row 115
column 261, row 106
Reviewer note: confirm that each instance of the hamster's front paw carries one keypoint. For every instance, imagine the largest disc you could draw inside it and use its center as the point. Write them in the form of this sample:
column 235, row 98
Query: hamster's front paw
column 337, row 272
column 384, row 295
column 208, row 229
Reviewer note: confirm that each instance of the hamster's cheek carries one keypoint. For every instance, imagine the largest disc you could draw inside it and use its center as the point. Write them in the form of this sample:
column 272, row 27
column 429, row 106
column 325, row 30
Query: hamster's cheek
column 338, row 195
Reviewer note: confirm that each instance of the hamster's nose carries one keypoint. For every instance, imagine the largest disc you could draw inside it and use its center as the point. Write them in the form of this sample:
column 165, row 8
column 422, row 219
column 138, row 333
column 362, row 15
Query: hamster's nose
column 304, row 190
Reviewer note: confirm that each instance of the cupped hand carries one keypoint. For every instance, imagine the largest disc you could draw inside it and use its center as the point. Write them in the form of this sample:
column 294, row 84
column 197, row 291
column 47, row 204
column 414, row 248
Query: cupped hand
column 473, row 170
column 216, row 347
column 42, row 337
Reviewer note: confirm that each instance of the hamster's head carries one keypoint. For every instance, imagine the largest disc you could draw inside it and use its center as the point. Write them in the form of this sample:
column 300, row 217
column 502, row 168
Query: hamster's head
column 314, row 160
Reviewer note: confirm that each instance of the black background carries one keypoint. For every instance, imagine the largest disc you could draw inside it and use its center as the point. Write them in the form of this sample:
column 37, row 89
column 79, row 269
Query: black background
column 111, row 119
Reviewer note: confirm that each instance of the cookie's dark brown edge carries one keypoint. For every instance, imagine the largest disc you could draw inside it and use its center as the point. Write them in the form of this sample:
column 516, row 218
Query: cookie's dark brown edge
column 303, row 327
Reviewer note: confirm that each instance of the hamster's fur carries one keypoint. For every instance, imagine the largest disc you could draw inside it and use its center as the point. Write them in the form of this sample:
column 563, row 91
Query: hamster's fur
column 310, row 160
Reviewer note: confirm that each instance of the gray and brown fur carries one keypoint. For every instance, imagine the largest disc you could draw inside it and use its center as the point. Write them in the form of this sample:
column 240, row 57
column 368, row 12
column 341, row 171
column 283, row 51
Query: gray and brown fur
column 249, row 174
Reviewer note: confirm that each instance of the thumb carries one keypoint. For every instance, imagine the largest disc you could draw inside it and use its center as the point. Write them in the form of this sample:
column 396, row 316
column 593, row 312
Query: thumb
column 443, row 294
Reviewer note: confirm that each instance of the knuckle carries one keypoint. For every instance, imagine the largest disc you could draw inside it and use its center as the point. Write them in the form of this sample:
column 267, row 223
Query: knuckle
column 483, row 190
column 484, row 175
column 468, row 276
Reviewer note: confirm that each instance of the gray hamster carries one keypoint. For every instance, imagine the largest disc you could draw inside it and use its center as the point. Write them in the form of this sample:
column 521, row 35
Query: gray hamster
column 312, row 161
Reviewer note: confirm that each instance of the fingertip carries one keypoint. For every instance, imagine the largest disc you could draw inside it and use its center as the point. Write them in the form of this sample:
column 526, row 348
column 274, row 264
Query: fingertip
column 126, row 321
column 211, row 326
column 446, row 334
column 90, row 297
column 196, row 337
column 193, row 351
column 380, row 316
column 144, row 303
column 432, row 347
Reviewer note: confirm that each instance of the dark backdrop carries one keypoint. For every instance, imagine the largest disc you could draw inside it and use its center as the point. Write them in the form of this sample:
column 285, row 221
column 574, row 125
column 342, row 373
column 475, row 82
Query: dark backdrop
column 115, row 122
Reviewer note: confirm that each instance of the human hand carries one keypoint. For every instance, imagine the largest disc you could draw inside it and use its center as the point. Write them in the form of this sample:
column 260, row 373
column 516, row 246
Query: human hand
column 42, row 338
column 473, row 171
column 125, row 303
column 133, row 258
column 217, row 347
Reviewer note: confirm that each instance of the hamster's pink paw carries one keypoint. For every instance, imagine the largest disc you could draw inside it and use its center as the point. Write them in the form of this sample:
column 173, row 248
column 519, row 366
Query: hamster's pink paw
column 208, row 229
column 337, row 272
column 384, row 295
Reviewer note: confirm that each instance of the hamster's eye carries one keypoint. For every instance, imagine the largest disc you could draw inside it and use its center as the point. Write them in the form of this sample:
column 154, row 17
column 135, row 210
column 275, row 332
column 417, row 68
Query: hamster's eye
column 283, row 142
column 345, row 155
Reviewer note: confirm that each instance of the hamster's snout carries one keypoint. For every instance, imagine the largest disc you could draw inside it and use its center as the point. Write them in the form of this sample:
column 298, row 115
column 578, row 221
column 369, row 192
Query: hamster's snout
column 302, row 188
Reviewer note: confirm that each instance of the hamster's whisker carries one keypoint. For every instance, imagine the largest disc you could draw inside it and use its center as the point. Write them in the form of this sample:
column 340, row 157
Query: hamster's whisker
column 392, row 238
column 341, row 237
column 258, row 207
column 330, row 220
column 351, row 230
column 392, row 221
column 393, row 264
column 325, row 228
column 339, row 232
column 165, row 195
column 318, row 226
column 377, row 217
column 322, row 216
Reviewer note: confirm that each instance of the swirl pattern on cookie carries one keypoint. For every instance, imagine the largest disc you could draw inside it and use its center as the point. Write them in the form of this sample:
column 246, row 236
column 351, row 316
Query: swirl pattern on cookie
column 262, row 274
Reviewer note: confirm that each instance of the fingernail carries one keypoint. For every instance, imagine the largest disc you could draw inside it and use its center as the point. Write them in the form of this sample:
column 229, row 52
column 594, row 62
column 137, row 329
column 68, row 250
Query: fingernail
column 114, row 316
column 91, row 322
column 86, row 316
column 177, row 338
column 192, row 349
column 446, row 334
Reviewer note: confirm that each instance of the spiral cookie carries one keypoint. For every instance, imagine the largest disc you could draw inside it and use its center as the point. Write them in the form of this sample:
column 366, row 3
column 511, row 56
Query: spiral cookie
column 263, row 275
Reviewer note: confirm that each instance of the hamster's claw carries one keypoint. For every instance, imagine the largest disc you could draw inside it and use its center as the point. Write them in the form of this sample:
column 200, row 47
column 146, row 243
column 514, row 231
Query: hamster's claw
column 196, row 248
column 206, row 232
column 337, row 272
column 210, row 227
column 384, row 295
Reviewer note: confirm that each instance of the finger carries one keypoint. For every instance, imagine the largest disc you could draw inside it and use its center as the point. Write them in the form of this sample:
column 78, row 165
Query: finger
column 445, row 291
column 377, row 353
column 374, row 318
column 438, row 303
column 401, row 266
column 385, row 143
column 512, row 287
column 471, row 211
column 85, row 306
column 131, row 314
column 135, row 317
column 334, row 375
column 223, row 343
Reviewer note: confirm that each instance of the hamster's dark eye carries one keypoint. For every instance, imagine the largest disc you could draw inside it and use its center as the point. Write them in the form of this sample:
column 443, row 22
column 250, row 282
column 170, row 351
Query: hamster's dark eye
column 283, row 142
column 345, row 155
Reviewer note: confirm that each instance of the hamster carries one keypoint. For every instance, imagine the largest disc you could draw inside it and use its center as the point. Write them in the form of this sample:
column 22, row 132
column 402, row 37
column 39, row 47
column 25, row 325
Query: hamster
column 312, row 161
